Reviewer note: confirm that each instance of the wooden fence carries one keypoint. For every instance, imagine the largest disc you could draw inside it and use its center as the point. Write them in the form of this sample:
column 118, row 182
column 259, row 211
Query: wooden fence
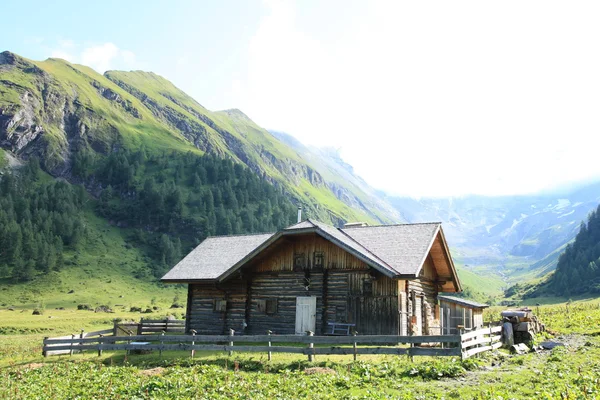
column 149, row 326
column 464, row 345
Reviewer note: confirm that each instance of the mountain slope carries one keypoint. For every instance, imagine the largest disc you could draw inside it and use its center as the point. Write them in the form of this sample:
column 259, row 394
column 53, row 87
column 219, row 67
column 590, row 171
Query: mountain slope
column 54, row 109
column 516, row 237
column 342, row 180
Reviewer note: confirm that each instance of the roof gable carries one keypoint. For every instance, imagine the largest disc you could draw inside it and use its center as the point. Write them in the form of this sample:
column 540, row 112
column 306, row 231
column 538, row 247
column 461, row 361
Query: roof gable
column 403, row 247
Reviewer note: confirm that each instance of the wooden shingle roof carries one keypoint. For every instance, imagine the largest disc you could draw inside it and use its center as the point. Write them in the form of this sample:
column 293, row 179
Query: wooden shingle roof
column 394, row 250
column 214, row 256
column 463, row 302
column 402, row 247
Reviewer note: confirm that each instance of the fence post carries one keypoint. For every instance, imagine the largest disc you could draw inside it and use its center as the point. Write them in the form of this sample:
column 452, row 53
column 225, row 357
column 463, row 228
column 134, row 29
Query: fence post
column 462, row 353
column 128, row 342
column 115, row 327
column 354, row 345
column 44, row 347
column 161, row 343
column 81, row 343
column 231, row 333
column 72, row 339
column 193, row 342
column 167, row 324
column 311, row 347
column 100, row 345
column 140, row 326
column 269, row 353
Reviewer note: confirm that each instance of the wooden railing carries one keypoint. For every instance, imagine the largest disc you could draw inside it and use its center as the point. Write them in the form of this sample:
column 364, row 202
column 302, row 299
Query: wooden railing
column 465, row 345
column 75, row 340
column 483, row 339
column 149, row 326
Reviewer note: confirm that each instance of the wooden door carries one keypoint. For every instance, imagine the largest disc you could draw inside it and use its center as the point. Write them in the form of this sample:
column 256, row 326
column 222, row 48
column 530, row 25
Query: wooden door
column 306, row 314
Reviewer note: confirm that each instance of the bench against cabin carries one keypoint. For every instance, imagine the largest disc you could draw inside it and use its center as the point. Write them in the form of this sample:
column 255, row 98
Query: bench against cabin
column 380, row 279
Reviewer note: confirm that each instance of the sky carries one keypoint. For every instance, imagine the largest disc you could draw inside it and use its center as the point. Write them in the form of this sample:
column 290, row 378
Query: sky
column 423, row 98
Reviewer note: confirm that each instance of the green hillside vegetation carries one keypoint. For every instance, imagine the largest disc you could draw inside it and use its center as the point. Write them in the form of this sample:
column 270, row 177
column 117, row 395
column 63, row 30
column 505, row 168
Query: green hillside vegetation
column 481, row 286
column 80, row 109
column 163, row 201
column 578, row 269
column 3, row 160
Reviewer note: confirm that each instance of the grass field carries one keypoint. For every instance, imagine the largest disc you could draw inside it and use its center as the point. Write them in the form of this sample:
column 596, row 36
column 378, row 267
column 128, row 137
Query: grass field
column 571, row 372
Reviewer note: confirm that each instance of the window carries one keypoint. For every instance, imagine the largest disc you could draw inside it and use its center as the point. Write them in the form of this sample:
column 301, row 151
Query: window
column 267, row 306
column 299, row 261
column 261, row 305
column 220, row 305
column 271, row 306
column 340, row 314
column 367, row 287
column 319, row 260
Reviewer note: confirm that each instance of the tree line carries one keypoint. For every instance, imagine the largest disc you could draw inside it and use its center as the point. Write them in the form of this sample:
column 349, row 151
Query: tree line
column 38, row 220
column 578, row 269
column 169, row 202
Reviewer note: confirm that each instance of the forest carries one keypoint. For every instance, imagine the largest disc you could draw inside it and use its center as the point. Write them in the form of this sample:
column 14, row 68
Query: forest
column 578, row 269
column 168, row 202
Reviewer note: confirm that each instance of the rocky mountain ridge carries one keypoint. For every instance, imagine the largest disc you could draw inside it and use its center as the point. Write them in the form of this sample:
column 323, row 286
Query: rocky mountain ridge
column 53, row 109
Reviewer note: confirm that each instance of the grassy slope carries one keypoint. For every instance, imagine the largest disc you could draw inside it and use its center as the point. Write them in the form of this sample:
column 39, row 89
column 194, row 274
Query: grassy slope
column 485, row 283
column 103, row 274
column 255, row 141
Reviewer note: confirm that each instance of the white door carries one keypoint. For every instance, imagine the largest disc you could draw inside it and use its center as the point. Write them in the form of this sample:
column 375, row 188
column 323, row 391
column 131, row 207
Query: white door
column 306, row 314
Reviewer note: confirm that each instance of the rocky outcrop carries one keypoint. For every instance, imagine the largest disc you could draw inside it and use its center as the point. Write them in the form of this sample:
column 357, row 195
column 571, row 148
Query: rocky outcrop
column 113, row 96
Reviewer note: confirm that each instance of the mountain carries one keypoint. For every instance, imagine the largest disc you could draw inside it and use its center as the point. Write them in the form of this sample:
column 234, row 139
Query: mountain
column 513, row 237
column 341, row 178
column 54, row 109
column 112, row 178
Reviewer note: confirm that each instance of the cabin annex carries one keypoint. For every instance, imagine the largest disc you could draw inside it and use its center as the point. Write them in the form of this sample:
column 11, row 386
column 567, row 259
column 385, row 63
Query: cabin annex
column 458, row 313
column 377, row 280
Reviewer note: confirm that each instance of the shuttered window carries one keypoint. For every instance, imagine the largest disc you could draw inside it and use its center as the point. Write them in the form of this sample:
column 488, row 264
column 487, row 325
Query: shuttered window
column 220, row 305
column 271, row 307
column 267, row 306
column 299, row 261
column 319, row 260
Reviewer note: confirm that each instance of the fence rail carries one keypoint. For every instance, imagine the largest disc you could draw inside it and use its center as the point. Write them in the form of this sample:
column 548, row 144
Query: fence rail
column 465, row 345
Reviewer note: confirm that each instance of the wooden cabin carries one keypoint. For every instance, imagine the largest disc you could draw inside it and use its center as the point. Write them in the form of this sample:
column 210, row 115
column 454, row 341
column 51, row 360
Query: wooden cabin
column 458, row 313
column 314, row 277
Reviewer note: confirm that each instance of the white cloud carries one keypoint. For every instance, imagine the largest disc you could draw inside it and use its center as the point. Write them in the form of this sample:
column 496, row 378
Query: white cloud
column 101, row 57
column 63, row 54
column 441, row 98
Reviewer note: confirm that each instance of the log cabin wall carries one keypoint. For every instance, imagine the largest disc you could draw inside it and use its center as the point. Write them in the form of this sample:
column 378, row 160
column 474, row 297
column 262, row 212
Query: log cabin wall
column 206, row 318
column 422, row 301
column 283, row 288
column 262, row 296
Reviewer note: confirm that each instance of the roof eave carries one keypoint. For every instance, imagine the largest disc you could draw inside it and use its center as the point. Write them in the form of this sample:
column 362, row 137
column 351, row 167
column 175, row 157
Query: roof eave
column 178, row 280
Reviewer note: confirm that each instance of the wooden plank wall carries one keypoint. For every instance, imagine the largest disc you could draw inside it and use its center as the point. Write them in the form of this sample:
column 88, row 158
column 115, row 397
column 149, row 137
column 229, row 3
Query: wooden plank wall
column 471, row 319
column 377, row 313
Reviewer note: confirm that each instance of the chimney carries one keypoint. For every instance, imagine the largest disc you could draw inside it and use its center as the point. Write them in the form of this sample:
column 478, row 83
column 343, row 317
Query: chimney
column 355, row 225
column 299, row 213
